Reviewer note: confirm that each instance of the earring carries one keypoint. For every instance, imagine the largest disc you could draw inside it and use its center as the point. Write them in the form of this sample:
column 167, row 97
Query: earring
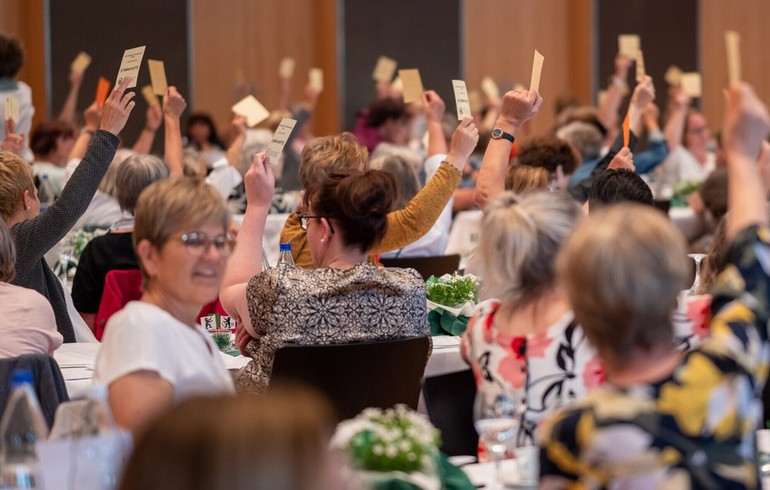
column 28, row 208
column 322, row 240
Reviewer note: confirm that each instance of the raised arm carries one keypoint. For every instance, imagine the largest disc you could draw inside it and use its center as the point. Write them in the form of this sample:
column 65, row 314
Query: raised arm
column 246, row 261
column 36, row 236
column 674, row 127
column 420, row 214
column 434, row 109
column 92, row 116
column 152, row 121
column 518, row 108
column 608, row 109
column 70, row 103
column 173, row 107
column 12, row 142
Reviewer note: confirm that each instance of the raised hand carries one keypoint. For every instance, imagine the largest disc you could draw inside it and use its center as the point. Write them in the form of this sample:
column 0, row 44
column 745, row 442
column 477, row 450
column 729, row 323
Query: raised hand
column 259, row 181
column 433, row 106
column 518, row 107
column 13, row 142
column 623, row 159
column 117, row 108
column 92, row 116
column 153, row 117
column 173, row 103
column 464, row 141
column 644, row 93
column 746, row 123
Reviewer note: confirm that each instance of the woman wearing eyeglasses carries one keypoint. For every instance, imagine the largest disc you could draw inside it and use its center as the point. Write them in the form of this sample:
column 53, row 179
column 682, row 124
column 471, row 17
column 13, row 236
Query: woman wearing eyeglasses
column 343, row 299
column 153, row 352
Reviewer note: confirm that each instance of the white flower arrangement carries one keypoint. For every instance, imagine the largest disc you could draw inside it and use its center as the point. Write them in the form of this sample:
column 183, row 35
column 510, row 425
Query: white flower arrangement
column 396, row 443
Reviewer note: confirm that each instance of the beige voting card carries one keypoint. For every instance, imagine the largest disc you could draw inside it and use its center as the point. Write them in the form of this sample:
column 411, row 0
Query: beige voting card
column 149, row 95
column 250, row 108
column 537, row 68
column 286, row 68
column 412, row 86
column 601, row 97
column 157, row 76
column 385, row 69
column 475, row 100
column 673, row 76
column 81, row 62
column 629, row 44
column 278, row 141
column 733, row 42
column 691, row 84
column 640, row 71
column 490, row 88
column 397, row 85
column 12, row 108
column 316, row 77
column 461, row 99
column 129, row 66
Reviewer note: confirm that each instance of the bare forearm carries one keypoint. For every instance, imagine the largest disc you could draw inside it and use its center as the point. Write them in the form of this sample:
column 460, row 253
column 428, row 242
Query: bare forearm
column 81, row 144
column 68, row 110
column 746, row 195
column 436, row 140
column 674, row 127
column 173, row 146
column 144, row 142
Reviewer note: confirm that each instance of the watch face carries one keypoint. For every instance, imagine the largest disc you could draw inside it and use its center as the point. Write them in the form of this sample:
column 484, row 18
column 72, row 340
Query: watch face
column 497, row 133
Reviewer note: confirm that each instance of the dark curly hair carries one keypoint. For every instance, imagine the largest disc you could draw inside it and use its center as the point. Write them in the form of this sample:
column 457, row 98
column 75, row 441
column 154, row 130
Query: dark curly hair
column 358, row 202
column 385, row 109
column 11, row 56
column 549, row 152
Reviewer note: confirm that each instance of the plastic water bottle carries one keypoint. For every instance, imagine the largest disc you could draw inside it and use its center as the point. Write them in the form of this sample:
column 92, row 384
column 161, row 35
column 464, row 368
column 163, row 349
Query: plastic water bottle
column 285, row 256
column 45, row 193
column 21, row 427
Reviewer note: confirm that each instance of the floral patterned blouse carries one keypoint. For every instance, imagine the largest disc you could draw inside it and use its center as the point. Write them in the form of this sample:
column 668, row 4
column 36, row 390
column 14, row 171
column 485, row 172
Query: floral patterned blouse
column 329, row 306
column 542, row 371
column 693, row 429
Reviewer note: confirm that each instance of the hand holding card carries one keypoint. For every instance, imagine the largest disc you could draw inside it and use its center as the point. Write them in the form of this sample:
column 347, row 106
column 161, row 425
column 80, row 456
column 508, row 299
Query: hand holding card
column 118, row 107
column 252, row 110
column 129, row 66
column 279, row 139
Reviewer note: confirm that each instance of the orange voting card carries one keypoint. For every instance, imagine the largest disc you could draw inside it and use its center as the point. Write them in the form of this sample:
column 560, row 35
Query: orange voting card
column 102, row 90
column 626, row 131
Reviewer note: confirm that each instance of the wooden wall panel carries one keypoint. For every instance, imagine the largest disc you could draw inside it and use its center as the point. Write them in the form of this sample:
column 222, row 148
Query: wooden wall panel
column 502, row 35
column 749, row 18
column 248, row 38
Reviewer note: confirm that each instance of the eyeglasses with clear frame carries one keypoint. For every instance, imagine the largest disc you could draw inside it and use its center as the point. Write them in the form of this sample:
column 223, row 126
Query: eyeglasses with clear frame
column 198, row 243
column 304, row 220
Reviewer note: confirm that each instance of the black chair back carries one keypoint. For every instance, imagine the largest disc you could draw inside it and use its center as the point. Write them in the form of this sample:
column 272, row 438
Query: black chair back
column 449, row 399
column 427, row 266
column 49, row 382
column 355, row 376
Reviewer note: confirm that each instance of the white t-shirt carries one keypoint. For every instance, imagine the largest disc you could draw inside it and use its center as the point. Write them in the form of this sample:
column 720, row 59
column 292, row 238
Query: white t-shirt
column 681, row 166
column 28, row 324
column 142, row 336
column 57, row 176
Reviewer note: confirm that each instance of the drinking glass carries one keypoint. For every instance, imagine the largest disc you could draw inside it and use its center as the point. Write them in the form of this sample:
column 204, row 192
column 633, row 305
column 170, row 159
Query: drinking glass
column 66, row 249
column 497, row 419
column 695, row 288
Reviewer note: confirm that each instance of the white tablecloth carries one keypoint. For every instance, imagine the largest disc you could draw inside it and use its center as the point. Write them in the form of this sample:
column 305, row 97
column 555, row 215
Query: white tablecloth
column 464, row 234
column 445, row 357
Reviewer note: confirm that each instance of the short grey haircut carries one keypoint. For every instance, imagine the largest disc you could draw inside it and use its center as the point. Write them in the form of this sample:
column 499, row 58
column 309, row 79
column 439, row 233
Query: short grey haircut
column 584, row 137
column 134, row 174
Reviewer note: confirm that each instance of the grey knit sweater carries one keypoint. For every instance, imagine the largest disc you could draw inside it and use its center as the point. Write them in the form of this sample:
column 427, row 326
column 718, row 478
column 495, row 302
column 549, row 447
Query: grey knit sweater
column 35, row 237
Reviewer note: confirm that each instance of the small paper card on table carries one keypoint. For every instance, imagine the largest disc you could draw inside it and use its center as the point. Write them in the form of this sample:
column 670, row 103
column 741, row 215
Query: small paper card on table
column 81, row 62
column 250, row 108
column 385, row 69
column 461, row 99
column 149, row 96
column 102, row 90
column 673, row 76
column 11, row 109
column 537, row 68
column 286, row 68
column 732, row 42
column 412, row 83
column 157, row 76
column 490, row 88
column 129, row 66
column 691, row 84
column 629, row 44
column 316, row 78
column 640, row 71
column 278, row 141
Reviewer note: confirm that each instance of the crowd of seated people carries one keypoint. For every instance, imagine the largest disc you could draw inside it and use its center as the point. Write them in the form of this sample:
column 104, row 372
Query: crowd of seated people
column 589, row 323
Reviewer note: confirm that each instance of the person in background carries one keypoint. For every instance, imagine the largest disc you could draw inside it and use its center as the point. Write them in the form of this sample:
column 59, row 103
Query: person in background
column 29, row 325
column 202, row 135
column 555, row 155
column 51, row 144
column 622, row 185
column 662, row 419
column 154, row 354
column 36, row 233
column 11, row 61
column 521, row 179
column 277, row 441
column 344, row 298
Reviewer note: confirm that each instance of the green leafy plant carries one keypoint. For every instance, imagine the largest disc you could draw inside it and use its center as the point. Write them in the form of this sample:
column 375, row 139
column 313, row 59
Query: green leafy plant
column 222, row 340
column 453, row 290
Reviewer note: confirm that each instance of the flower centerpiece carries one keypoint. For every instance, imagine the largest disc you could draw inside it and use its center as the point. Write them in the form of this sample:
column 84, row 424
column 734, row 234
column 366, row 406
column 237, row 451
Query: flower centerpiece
column 395, row 448
column 682, row 192
column 71, row 248
column 451, row 300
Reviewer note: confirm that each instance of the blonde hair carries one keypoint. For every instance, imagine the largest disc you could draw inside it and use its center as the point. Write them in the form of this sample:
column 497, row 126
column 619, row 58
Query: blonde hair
column 407, row 184
column 521, row 179
column 171, row 205
column 622, row 270
column 15, row 178
column 7, row 254
column 278, row 440
column 521, row 236
column 322, row 156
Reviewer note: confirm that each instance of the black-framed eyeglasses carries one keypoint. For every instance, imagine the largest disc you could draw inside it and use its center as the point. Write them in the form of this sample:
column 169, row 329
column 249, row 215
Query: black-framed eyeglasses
column 305, row 219
column 198, row 243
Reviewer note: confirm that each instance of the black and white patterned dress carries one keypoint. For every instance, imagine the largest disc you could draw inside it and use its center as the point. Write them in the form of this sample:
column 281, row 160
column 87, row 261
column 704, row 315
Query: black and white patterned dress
column 329, row 306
